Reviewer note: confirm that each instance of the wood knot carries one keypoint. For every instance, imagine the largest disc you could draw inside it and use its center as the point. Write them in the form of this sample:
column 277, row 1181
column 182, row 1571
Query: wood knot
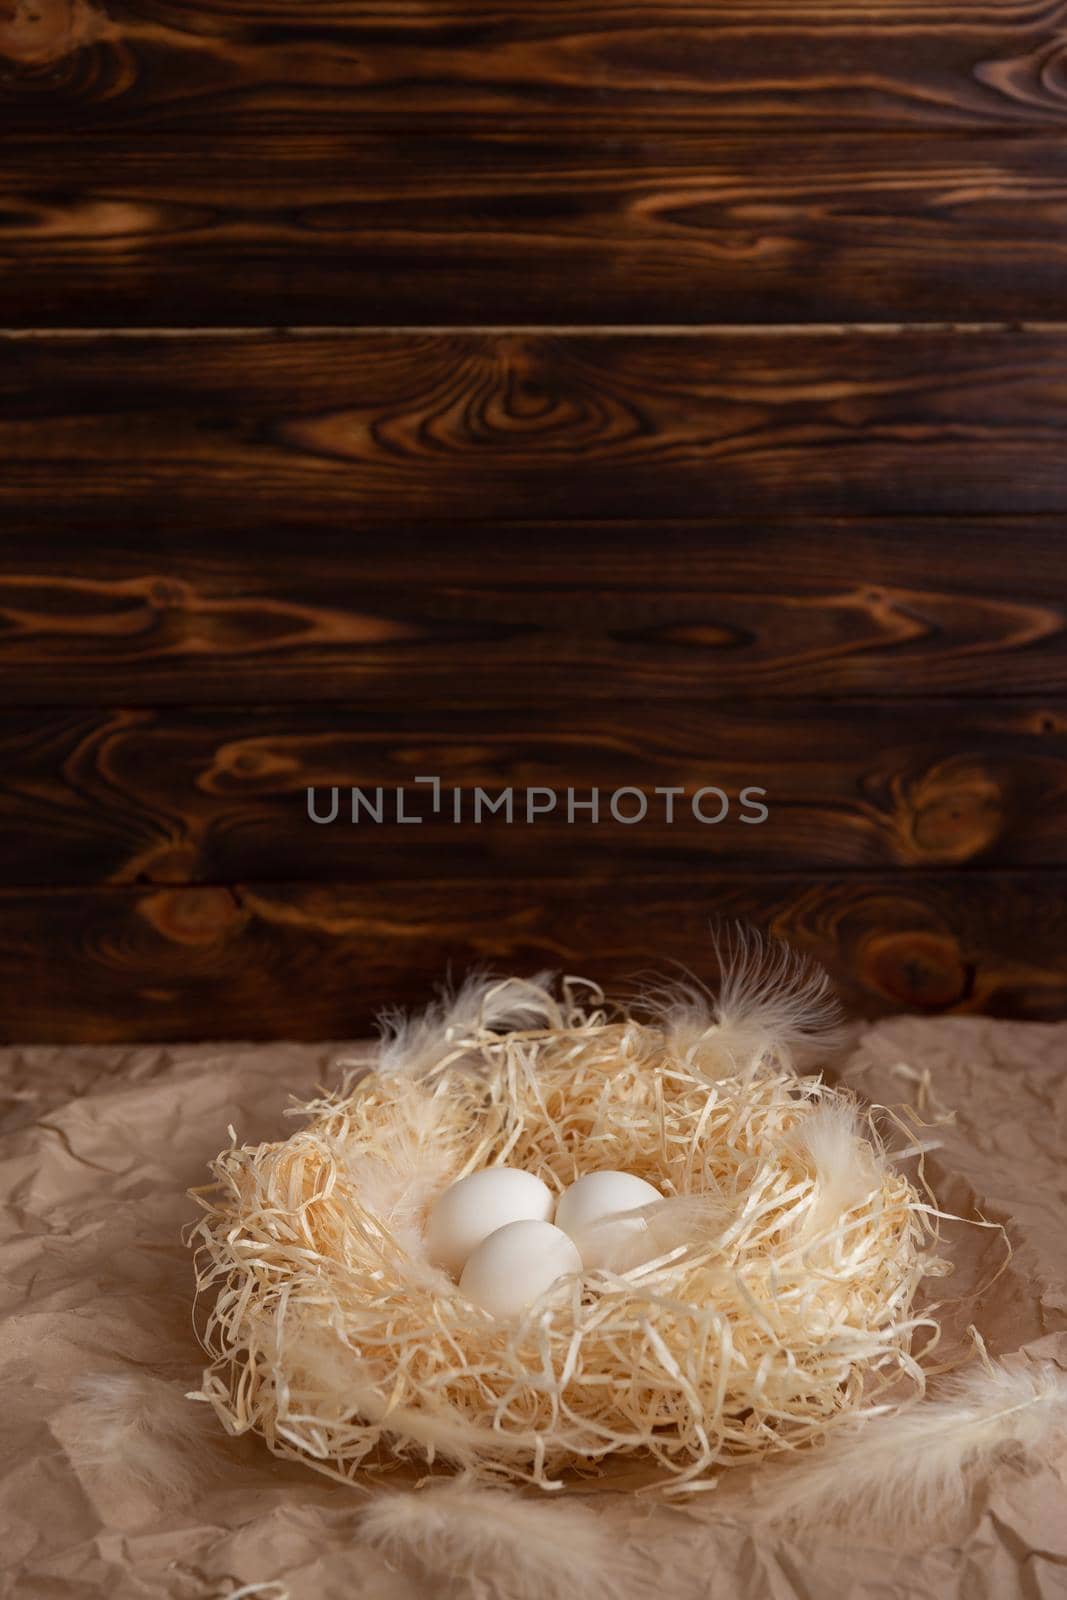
column 250, row 761
column 921, row 971
column 192, row 915
column 951, row 813
column 36, row 33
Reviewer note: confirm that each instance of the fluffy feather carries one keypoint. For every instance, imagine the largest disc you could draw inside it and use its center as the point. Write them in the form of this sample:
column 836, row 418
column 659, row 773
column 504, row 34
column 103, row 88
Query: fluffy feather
column 847, row 1168
column 496, row 1544
column 140, row 1428
column 771, row 1002
column 686, row 1013
column 416, row 1044
column 912, row 1468
column 409, row 1167
column 630, row 1239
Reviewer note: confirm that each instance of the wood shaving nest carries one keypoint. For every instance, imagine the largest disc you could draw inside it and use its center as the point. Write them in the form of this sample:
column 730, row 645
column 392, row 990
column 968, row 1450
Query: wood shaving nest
column 770, row 1295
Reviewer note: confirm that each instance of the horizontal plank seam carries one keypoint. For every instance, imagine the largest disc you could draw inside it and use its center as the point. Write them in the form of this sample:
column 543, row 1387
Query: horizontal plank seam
column 564, row 330
column 988, row 520
column 576, row 121
column 607, row 880
column 352, row 129
column 675, row 700
column 387, row 709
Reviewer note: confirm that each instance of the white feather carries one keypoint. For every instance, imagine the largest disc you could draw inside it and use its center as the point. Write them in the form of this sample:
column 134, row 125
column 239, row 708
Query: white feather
column 416, row 1044
column 630, row 1239
column 846, row 1166
column 912, row 1469
column 142, row 1429
column 497, row 1545
column 398, row 1198
column 409, row 1166
column 771, row 1003
column 686, row 1014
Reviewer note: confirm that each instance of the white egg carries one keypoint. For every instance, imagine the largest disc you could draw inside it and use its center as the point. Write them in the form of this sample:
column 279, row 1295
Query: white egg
column 517, row 1264
column 585, row 1212
column 477, row 1206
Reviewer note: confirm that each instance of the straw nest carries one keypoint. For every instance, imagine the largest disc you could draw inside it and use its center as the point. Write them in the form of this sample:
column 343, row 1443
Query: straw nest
column 767, row 1296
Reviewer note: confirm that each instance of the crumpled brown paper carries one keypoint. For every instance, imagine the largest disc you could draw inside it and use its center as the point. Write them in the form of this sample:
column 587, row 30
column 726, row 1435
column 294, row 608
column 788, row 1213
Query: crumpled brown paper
column 97, row 1149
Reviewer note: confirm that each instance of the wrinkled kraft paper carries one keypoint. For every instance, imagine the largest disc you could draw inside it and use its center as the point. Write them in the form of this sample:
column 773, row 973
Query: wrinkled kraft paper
column 97, row 1149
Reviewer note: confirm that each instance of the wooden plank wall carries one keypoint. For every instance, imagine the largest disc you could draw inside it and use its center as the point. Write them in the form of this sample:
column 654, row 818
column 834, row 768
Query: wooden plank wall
column 559, row 396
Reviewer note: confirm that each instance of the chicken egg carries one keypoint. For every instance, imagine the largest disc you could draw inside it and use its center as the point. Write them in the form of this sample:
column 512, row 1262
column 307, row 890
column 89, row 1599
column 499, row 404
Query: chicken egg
column 479, row 1205
column 516, row 1264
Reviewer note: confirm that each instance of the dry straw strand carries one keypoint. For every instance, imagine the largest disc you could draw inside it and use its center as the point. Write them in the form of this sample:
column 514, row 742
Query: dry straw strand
column 768, row 1296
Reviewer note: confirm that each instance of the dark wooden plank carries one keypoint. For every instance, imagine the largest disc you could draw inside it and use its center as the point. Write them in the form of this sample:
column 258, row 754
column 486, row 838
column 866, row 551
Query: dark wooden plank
column 491, row 425
column 500, row 228
column 140, row 602
column 194, row 795
column 215, row 65
column 318, row 961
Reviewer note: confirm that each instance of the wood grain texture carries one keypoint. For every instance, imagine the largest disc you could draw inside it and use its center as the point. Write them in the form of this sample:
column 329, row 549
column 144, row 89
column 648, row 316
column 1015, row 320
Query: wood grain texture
column 199, row 796
column 521, row 493
column 132, row 603
column 218, row 65
column 490, row 426
column 632, row 228
column 317, row 961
